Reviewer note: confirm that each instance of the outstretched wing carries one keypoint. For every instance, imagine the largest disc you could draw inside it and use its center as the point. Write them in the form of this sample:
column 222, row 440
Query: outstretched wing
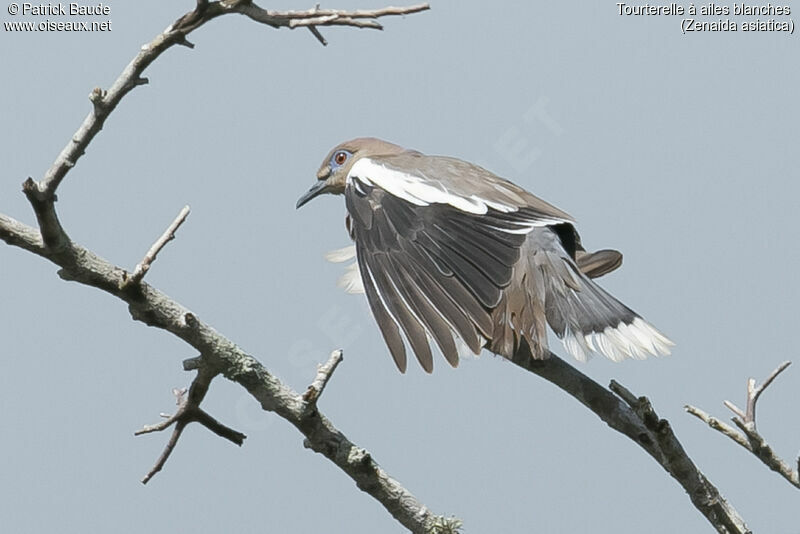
column 434, row 262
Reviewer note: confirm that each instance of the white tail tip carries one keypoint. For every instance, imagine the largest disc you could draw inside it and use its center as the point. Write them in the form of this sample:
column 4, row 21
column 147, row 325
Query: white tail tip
column 638, row 340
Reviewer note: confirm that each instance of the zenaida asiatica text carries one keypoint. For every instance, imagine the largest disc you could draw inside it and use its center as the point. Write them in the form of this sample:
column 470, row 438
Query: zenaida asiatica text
column 447, row 251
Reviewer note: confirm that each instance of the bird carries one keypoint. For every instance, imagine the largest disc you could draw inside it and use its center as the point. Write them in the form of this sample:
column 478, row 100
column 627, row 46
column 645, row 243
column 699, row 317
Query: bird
column 451, row 255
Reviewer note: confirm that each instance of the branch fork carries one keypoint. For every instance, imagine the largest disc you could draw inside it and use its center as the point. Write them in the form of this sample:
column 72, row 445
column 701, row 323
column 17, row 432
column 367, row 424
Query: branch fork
column 745, row 420
column 188, row 411
column 748, row 417
column 42, row 199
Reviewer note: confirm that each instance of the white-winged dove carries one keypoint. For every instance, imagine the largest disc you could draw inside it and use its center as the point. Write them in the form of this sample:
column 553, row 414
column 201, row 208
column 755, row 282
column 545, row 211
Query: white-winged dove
column 445, row 250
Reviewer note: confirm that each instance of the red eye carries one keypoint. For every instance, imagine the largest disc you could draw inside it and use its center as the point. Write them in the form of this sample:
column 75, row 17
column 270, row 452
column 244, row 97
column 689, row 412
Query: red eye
column 340, row 158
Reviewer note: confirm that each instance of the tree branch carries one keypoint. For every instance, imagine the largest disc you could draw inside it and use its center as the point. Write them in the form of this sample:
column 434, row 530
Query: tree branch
column 168, row 235
column 749, row 438
column 324, row 374
column 189, row 411
column 222, row 356
column 43, row 204
column 753, row 393
column 635, row 418
column 361, row 18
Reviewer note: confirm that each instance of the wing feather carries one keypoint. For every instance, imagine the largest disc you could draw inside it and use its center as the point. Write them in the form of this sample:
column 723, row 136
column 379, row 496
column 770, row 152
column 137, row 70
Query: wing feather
column 469, row 319
column 428, row 315
column 431, row 272
column 387, row 324
column 411, row 326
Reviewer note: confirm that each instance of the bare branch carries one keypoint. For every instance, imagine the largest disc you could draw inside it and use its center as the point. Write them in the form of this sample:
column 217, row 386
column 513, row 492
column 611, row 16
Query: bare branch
column 361, row 18
column 735, row 409
column 168, row 448
column 316, row 33
column 104, row 102
column 635, row 418
column 748, row 416
column 781, row 368
column 324, row 373
column 749, row 438
column 222, row 356
column 161, row 242
column 180, row 400
column 329, row 20
column 21, row 235
column 43, row 204
column 753, row 393
column 189, row 411
column 624, row 393
column 759, row 446
column 718, row 425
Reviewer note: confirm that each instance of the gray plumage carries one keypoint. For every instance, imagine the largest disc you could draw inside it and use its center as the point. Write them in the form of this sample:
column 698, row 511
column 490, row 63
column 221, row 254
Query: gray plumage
column 449, row 252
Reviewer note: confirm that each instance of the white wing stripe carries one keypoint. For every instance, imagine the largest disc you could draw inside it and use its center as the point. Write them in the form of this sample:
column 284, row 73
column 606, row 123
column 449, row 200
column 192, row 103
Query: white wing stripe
column 414, row 189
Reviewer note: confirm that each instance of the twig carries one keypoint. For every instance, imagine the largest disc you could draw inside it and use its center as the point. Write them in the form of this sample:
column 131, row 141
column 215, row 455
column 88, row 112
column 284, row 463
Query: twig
column 749, row 438
column 624, row 393
column 362, row 18
column 188, row 411
column 753, row 393
column 43, row 203
column 735, row 409
column 718, row 425
column 324, row 373
column 748, row 415
column 328, row 20
column 168, row 235
column 315, row 32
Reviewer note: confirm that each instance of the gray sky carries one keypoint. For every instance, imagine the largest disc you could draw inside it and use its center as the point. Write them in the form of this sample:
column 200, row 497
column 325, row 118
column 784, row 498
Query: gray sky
column 679, row 150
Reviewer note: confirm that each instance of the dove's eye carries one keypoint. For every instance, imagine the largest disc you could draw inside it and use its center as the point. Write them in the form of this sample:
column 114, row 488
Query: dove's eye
column 340, row 157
